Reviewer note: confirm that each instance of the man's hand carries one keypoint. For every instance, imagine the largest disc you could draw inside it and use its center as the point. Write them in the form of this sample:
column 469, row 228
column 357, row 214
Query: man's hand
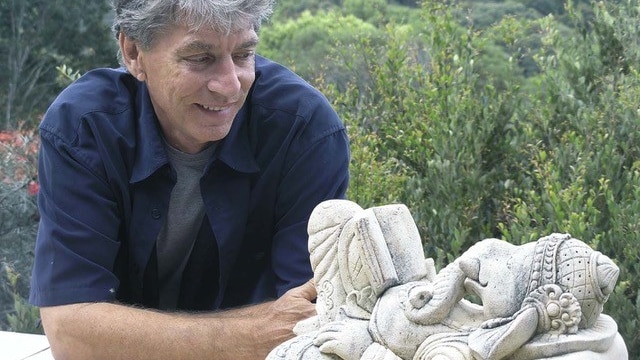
column 283, row 314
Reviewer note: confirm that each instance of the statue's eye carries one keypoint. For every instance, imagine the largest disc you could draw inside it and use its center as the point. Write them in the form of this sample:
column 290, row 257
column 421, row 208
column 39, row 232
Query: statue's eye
column 419, row 296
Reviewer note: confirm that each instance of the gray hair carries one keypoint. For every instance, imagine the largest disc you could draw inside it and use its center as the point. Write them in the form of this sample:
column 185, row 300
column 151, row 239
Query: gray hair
column 144, row 20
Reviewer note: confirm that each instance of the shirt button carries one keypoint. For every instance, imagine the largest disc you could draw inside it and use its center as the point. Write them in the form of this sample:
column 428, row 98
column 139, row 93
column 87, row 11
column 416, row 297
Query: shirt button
column 155, row 214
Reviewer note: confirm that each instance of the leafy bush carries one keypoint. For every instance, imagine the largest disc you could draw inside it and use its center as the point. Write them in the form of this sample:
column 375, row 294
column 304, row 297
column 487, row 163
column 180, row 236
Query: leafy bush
column 304, row 43
column 477, row 142
column 18, row 226
column 21, row 316
column 37, row 35
column 476, row 153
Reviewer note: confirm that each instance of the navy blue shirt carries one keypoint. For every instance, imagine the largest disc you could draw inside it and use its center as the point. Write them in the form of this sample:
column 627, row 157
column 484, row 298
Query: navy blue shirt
column 105, row 183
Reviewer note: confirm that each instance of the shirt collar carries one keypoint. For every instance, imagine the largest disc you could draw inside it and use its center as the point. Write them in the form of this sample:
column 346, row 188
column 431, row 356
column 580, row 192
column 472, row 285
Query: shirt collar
column 234, row 150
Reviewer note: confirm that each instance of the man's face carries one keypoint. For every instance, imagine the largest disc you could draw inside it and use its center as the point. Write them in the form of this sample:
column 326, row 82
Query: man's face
column 198, row 81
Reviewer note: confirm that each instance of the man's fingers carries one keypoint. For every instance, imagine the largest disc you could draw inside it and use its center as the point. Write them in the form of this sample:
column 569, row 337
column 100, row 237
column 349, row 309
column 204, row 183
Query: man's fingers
column 309, row 289
column 306, row 291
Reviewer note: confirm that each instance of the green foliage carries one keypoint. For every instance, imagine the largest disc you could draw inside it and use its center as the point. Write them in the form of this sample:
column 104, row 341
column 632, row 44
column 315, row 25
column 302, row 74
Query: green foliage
column 485, row 149
column 66, row 75
column 484, row 14
column 545, row 7
column 426, row 111
column 23, row 318
column 320, row 39
column 18, row 223
column 368, row 169
column 291, row 9
column 372, row 11
column 484, row 118
column 307, row 43
column 36, row 36
column 376, row 12
column 410, row 3
column 583, row 173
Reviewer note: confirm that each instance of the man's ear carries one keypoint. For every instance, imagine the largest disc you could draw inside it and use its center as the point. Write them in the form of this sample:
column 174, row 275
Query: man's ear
column 131, row 55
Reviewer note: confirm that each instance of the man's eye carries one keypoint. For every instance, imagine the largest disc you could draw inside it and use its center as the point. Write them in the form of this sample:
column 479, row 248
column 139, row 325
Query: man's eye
column 245, row 55
column 198, row 59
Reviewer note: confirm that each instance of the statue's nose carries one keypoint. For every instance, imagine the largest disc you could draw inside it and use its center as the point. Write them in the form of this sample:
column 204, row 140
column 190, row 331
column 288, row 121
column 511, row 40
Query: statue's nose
column 471, row 268
column 607, row 274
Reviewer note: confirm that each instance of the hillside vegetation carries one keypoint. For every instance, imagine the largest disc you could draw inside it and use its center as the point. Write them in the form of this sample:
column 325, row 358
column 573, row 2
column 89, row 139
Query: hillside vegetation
column 505, row 119
column 512, row 127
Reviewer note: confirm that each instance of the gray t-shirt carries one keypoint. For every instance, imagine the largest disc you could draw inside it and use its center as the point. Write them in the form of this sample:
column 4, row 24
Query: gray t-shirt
column 183, row 221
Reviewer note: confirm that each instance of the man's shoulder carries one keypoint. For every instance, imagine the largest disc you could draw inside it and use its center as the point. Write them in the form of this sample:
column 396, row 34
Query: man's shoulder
column 277, row 87
column 282, row 104
column 98, row 94
column 102, row 89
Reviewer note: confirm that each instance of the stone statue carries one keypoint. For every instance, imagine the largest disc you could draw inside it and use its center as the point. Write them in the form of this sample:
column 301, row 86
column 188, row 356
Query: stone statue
column 380, row 299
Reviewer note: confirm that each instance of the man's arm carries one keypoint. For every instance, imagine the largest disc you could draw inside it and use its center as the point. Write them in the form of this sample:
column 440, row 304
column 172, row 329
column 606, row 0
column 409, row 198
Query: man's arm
column 114, row 331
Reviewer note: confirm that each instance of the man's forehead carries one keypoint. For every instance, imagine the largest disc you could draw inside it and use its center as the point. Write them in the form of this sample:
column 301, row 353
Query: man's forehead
column 203, row 46
column 225, row 26
column 209, row 39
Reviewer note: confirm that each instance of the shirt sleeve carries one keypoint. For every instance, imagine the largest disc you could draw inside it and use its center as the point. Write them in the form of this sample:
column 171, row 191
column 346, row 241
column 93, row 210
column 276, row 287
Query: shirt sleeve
column 77, row 244
column 318, row 172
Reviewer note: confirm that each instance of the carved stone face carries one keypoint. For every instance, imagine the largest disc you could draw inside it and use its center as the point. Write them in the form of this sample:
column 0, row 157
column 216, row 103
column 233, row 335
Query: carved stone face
column 496, row 274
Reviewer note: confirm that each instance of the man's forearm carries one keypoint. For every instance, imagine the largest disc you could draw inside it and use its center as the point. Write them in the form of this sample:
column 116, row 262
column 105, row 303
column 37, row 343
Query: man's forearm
column 114, row 331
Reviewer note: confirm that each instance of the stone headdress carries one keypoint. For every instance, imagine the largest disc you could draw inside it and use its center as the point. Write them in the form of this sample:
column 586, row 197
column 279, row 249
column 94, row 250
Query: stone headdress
column 568, row 285
column 571, row 264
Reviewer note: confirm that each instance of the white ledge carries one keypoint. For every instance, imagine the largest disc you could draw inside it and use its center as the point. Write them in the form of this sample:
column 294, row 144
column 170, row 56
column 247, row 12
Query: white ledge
column 19, row 346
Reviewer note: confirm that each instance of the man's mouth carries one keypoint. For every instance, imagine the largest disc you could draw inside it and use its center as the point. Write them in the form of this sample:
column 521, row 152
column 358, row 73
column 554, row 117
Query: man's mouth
column 214, row 108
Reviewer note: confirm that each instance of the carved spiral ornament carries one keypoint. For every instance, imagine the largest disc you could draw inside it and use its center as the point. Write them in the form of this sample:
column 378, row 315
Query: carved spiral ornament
column 559, row 312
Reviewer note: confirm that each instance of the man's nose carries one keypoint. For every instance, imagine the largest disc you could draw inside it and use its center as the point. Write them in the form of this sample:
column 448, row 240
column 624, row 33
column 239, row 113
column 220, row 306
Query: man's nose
column 224, row 78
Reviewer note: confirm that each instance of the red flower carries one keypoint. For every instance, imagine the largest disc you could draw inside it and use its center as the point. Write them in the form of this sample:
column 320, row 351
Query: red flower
column 33, row 188
column 6, row 136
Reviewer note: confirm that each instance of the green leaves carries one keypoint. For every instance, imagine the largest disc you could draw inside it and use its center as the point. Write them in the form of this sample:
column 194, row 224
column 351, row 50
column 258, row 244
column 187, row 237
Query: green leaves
column 18, row 226
column 311, row 44
column 525, row 128
column 38, row 35
column 23, row 317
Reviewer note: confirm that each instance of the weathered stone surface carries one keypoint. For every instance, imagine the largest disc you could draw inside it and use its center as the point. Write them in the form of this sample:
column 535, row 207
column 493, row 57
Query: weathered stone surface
column 380, row 298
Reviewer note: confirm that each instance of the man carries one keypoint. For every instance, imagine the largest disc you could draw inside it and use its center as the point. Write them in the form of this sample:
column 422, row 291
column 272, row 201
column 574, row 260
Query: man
column 179, row 187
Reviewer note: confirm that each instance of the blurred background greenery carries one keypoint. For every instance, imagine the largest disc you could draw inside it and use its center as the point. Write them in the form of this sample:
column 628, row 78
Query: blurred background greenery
column 507, row 119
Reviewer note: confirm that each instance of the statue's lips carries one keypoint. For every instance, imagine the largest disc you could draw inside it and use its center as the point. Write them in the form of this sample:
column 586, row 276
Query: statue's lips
column 471, row 270
column 474, row 287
